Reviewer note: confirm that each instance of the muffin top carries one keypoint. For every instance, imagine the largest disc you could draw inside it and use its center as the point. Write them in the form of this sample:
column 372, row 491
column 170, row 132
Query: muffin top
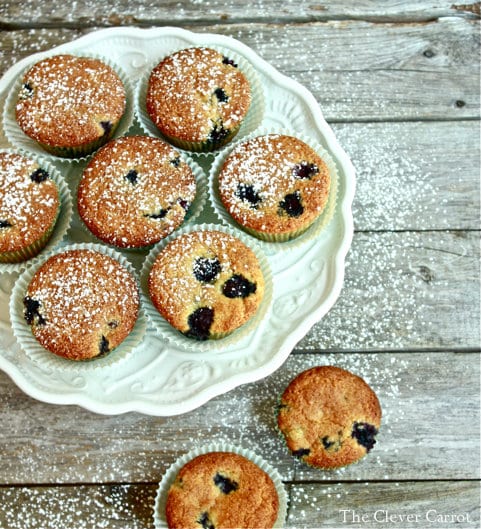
column 29, row 202
column 329, row 417
column 274, row 183
column 206, row 283
column 197, row 95
column 70, row 101
column 222, row 490
column 81, row 304
column 135, row 191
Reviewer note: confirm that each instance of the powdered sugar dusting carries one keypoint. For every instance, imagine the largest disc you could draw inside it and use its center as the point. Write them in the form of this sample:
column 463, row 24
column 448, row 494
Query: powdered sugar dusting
column 103, row 507
column 63, row 90
column 196, row 91
column 27, row 207
column 176, row 291
column 259, row 175
column 135, row 191
column 81, row 295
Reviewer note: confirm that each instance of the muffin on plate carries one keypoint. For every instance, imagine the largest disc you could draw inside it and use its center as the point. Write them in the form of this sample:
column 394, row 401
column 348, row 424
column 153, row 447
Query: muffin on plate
column 222, row 490
column 329, row 417
column 81, row 304
column 135, row 191
column 198, row 98
column 70, row 105
column 206, row 284
column 29, row 207
column 274, row 186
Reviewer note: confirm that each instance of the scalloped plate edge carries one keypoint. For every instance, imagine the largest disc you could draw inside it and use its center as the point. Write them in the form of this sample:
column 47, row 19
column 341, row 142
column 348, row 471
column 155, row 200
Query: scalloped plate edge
column 345, row 204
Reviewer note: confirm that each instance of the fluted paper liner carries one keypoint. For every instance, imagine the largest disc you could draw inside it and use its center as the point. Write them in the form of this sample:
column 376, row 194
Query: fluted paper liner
column 18, row 139
column 171, row 334
column 169, row 478
column 44, row 358
column 62, row 223
column 275, row 243
column 251, row 121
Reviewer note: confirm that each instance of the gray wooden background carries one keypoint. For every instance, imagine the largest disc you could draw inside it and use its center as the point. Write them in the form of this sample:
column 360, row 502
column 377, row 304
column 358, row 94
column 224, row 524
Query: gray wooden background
column 399, row 82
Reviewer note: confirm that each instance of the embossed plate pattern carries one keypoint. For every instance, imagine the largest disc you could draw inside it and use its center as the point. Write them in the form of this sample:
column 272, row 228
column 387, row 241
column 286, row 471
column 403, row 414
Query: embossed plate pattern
column 157, row 378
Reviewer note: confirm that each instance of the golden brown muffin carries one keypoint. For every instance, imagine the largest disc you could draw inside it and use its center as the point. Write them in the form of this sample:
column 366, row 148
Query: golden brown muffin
column 29, row 207
column 70, row 105
column 274, row 186
column 329, row 417
column 198, row 98
column 135, row 191
column 81, row 304
column 222, row 490
column 206, row 284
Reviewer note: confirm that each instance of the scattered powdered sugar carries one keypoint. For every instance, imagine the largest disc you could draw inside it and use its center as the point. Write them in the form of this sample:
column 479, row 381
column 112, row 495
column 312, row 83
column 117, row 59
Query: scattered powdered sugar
column 388, row 306
column 395, row 186
column 104, row 507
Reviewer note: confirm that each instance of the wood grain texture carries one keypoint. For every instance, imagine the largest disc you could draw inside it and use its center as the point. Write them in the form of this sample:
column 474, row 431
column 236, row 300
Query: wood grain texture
column 147, row 12
column 357, row 71
column 404, row 291
column 399, row 83
column 368, row 505
column 424, row 412
column 320, row 505
column 413, row 176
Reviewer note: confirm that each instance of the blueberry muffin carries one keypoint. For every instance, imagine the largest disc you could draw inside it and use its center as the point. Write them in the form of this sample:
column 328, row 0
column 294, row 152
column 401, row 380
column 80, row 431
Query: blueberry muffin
column 221, row 490
column 135, row 191
column 329, row 417
column 70, row 105
column 198, row 98
column 29, row 207
column 206, row 284
column 81, row 304
column 274, row 186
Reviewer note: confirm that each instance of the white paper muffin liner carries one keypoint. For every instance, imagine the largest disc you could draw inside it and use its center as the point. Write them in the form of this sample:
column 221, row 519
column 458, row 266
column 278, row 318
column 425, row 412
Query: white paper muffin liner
column 252, row 120
column 193, row 213
column 171, row 474
column 314, row 230
column 174, row 336
column 18, row 139
column 48, row 360
column 64, row 218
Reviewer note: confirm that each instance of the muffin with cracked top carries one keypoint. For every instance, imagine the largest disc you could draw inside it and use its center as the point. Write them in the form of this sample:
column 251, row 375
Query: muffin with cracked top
column 329, row 417
column 29, row 207
column 70, row 105
column 198, row 98
column 81, row 304
column 221, row 490
column 274, row 186
column 135, row 191
column 206, row 284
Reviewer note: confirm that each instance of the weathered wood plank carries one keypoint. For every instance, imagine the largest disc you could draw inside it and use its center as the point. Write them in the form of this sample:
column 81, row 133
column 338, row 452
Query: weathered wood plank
column 78, row 507
column 402, row 291
column 362, row 71
column 357, row 71
column 317, row 505
column 414, row 175
column 406, row 290
column 88, row 13
column 365, row 505
column 430, row 405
